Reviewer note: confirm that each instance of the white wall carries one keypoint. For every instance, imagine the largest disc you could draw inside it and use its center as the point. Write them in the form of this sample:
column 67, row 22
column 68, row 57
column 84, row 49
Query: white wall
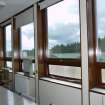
column 95, row 99
column 56, row 94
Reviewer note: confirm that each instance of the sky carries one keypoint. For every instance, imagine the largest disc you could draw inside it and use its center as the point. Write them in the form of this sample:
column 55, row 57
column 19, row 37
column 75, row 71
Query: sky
column 8, row 38
column 27, row 35
column 100, row 18
column 63, row 23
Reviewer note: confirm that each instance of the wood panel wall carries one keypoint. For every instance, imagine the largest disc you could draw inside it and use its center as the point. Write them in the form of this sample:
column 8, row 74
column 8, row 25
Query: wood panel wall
column 94, row 72
column 41, row 44
column 1, row 48
column 16, row 47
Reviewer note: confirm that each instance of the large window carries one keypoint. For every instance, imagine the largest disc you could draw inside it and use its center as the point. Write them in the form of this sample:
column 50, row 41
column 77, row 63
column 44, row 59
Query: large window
column 64, row 30
column 63, row 43
column 27, row 43
column 100, row 31
column 8, row 52
column 100, row 37
column 8, row 46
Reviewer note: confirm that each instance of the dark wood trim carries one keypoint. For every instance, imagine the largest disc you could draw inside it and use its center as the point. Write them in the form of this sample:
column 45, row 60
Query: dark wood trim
column 94, row 73
column 65, row 62
column 6, row 21
column 15, row 41
column 8, row 58
column 1, row 48
column 41, row 36
column 100, row 64
column 23, row 10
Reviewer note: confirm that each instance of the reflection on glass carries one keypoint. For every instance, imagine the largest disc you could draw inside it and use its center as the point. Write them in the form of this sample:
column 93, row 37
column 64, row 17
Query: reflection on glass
column 28, row 67
column 9, row 64
column 64, row 30
column 100, row 30
column 27, row 41
column 8, row 41
column 65, row 71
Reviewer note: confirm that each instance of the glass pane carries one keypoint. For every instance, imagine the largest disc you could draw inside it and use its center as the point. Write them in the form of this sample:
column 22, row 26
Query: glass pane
column 31, row 70
column 8, row 41
column 103, row 75
column 9, row 64
column 27, row 41
column 64, row 30
column 100, row 30
column 65, row 71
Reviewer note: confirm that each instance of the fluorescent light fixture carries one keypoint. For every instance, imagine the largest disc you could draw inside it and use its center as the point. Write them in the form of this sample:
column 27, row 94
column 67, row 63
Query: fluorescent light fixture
column 2, row 4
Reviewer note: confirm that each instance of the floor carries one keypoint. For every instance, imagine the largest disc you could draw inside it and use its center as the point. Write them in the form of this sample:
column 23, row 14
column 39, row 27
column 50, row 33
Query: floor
column 9, row 98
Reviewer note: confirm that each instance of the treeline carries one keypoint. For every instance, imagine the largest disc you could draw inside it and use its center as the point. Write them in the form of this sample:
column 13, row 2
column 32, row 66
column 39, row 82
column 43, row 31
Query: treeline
column 69, row 48
column 30, row 52
column 101, row 44
column 75, row 47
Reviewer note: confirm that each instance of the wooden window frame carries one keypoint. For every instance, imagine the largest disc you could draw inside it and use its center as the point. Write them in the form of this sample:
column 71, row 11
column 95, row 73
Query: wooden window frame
column 54, row 61
column 98, row 65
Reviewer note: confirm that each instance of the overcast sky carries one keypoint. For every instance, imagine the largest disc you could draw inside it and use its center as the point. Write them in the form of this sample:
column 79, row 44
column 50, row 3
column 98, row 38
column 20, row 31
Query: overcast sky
column 63, row 23
column 8, row 38
column 27, row 35
column 100, row 14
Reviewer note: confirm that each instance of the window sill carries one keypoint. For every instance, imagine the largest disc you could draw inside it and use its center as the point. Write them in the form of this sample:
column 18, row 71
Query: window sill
column 65, row 83
column 98, row 90
column 28, row 76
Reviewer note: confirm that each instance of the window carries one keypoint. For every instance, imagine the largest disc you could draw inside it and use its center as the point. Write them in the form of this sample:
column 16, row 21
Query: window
column 100, row 31
column 64, row 30
column 27, row 41
column 9, row 64
column 8, row 46
column 63, row 40
column 8, row 52
column 100, row 37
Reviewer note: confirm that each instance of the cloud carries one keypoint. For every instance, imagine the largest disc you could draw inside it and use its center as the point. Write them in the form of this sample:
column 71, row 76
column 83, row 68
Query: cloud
column 64, row 34
column 64, row 12
column 27, row 43
column 52, row 43
column 27, row 35
column 28, row 30
column 8, row 33
column 63, row 23
column 100, row 18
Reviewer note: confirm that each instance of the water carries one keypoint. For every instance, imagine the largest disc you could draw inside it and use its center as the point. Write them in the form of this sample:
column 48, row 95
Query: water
column 65, row 55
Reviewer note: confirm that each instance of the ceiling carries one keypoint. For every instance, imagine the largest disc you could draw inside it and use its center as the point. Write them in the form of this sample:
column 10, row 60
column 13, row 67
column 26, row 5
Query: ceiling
column 12, row 7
